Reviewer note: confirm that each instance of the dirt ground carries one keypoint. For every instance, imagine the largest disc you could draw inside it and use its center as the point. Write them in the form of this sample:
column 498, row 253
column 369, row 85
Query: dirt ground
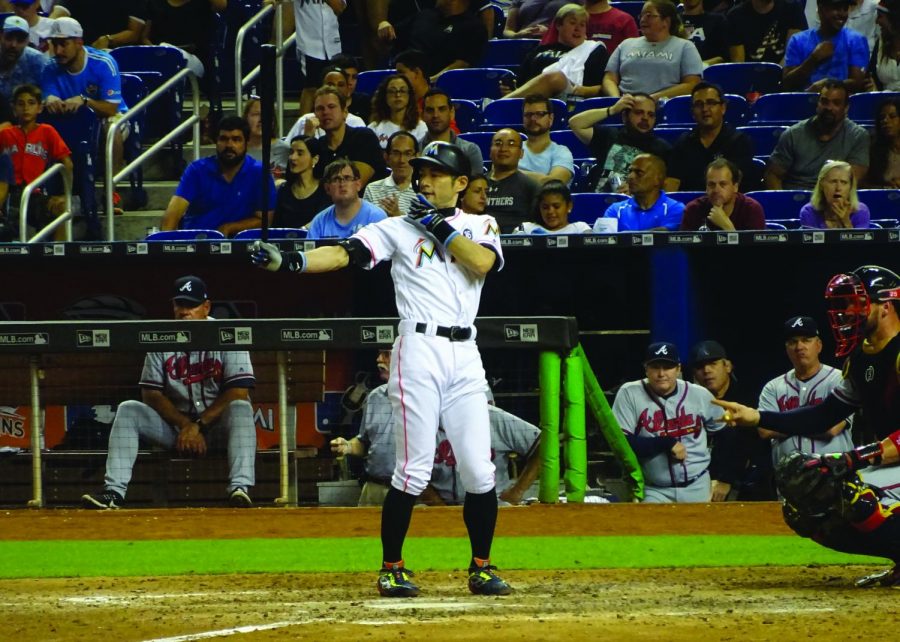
column 660, row 604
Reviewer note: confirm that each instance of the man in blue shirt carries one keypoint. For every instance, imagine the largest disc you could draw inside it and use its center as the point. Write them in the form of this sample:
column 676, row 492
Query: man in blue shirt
column 221, row 192
column 19, row 63
column 349, row 213
column 648, row 207
column 831, row 51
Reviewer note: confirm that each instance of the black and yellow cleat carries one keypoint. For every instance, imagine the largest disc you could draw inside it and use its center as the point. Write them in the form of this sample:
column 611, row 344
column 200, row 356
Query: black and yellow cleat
column 393, row 581
column 484, row 581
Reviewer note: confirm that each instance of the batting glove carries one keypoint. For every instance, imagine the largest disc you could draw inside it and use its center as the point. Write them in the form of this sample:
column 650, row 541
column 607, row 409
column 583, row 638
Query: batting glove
column 424, row 214
column 265, row 255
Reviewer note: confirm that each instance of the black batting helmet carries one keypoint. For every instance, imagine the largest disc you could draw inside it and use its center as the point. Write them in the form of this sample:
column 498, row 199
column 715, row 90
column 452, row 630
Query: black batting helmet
column 446, row 156
column 849, row 298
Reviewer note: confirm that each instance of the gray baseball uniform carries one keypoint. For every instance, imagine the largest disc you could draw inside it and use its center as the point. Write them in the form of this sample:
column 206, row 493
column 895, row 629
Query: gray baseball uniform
column 685, row 416
column 376, row 431
column 191, row 381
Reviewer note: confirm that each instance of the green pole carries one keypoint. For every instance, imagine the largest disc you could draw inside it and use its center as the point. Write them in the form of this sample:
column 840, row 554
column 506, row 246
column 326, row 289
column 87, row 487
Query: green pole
column 548, row 377
column 573, row 428
column 609, row 427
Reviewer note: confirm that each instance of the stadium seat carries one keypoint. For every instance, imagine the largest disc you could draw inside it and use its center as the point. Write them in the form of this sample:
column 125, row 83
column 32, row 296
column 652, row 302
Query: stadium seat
column 670, row 134
column 783, row 109
column 886, row 223
column 275, row 234
column 569, row 139
column 764, row 137
column 367, row 81
column 186, row 235
column 468, row 115
column 165, row 114
column 594, row 103
column 781, row 204
column 685, row 197
column 788, row 223
column 755, row 180
column 482, row 139
column 864, row 106
column 508, row 111
column 630, row 7
column 882, row 203
column 133, row 92
column 745, row 78
column 473, row 84
column 677, row 112
column 507, row 53
column 775, row 225
column 588, row 207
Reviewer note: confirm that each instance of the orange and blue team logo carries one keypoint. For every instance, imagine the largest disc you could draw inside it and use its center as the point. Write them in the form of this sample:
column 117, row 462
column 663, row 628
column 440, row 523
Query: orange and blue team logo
column 426, row 250
column 491, row 228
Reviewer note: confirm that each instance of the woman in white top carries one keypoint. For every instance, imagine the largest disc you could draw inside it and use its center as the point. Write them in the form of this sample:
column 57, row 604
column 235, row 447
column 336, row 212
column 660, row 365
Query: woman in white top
column 884, row 65
column 551, row 210
column 394, row 109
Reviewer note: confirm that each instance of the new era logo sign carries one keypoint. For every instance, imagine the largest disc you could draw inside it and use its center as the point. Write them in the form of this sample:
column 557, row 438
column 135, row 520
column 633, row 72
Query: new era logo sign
column 376, row 334
column 92, row 338
column 523, row 332
column 236, row 336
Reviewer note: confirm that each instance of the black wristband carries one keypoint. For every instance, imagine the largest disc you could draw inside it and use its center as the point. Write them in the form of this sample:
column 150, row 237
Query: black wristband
column 442, row 230
column 293, row 262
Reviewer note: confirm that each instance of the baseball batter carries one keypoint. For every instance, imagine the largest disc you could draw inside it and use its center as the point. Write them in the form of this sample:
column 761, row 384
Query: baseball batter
column 439, row 257
column 665, row 420
column 807, row 384
column 187, row 399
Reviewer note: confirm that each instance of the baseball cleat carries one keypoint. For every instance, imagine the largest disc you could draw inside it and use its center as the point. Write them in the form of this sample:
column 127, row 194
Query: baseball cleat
column 395, row 582
column 103, row 501
column 484, row 581
column 889, row 578
column 240, row 499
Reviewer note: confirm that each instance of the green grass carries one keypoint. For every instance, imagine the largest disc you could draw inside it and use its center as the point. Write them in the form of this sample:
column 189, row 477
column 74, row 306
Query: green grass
column 179, row 557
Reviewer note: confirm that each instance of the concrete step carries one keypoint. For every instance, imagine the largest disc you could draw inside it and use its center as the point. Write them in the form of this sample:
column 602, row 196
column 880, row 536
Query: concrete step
column 157, row 193
column 134, row 226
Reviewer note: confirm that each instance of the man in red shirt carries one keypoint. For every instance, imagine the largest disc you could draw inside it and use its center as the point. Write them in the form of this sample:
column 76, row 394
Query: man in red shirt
column 605, row 23
column 723, row 207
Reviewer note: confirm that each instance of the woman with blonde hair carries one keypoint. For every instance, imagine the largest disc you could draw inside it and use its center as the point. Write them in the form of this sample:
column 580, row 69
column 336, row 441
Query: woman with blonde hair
column 394, row 109
column 834, row 202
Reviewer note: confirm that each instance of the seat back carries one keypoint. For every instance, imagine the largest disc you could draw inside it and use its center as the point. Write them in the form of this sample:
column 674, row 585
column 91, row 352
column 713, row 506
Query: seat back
column 745, row 78
column 588, row 207
column 882, row 203
column 600, row 102
column 468, row 115
column 186, row 235
column 783, row 109
column 81, row 132
column 864, row 106
column 764, row 137
column 677, row 112
column 507, row 53
column 133, row 92
column 508, row 112
column 670, row 134
column 685, row 197
column 568, row 138
column 165, row 114
column 781, row 204
column 775, row 225
column 367, row 81
column 275, row 234
column 482, row 139
column 630, row 7
column 473, row 84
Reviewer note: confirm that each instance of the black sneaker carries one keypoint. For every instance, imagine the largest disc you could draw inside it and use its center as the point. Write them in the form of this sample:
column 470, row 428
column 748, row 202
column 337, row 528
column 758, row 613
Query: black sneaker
column 240, row 499
column 103, row 501
column 394, row 582
column 889, row 578
column 484, row 581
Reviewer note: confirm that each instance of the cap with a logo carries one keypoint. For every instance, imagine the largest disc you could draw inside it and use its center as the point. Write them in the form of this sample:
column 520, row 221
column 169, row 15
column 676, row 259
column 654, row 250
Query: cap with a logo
column 662, row 351
column 15, row 23
column 66, row 28
column 800, row 327
column 708, row 350
column 190, row 290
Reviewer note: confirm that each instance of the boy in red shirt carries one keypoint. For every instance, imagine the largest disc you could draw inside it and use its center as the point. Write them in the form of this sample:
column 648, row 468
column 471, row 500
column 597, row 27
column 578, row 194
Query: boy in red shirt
column 33, row 147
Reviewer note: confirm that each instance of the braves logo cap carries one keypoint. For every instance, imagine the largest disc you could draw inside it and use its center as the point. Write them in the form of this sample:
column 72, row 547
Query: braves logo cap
column 662, row 351
column 708, row 350
column 800, row 327
column 190, row 290
column 66, row 28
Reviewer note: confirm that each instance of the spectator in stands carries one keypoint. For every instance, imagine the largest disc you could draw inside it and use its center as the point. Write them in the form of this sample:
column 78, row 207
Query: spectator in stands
column 375, row 440
column 605, row 23
column 395, row 193
column 884, row 64
column 221, row 192
column 551, row 212
column 576, row 72
column 189, row 401
column 706, row 30
column 450, row 36
column 39, row 26
column 884, row 164
column 393, row 109
column 308, row 124
column 106, row 23
column 392, row 17
column 758, row 30
column 861, row 18
column 648, row 207
column 349, row 213
column 530, row 18
column 510, row 192
column 832, row 51
column 660, row 62
column 188, row 25
column 19, row 63
column 543, row 159
column 33, row 147
column 614, row 147
column 723, row 207
column 278, row 151
column 473, row 200
column 711, row 138
column 834, row 202
column 412, row 64
column 360, row 103
column 302, row 195
column 438, row 116
column 806, row 146
column 359, row 144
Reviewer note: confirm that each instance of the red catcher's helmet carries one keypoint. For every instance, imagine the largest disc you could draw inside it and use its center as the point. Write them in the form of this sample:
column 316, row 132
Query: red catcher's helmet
column 849, row 298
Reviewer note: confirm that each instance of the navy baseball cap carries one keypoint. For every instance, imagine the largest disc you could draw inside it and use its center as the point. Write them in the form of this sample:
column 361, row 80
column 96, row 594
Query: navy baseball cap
column 708, row 350
column 662, row 351
column 190, row 290
column 800, row 327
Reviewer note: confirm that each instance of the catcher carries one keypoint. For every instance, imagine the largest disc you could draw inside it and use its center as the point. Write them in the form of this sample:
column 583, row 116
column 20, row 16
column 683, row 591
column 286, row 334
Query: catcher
column 848, row 501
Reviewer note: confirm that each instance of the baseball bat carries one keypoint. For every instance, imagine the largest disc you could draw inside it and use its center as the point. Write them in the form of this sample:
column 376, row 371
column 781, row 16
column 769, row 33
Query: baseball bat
column 267, row 106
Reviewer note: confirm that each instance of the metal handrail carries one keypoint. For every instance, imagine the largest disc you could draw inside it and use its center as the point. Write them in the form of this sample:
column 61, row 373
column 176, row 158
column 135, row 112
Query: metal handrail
column 65, row 217
column 240, row 81
column 192, row 121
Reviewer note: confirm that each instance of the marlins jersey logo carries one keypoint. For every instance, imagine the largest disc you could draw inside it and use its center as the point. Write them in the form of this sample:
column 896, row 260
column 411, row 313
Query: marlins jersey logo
column 426, row 250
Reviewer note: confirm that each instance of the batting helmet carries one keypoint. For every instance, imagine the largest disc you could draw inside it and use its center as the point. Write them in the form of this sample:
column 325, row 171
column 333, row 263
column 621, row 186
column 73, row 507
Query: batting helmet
column 444, row 156
column 849, row 298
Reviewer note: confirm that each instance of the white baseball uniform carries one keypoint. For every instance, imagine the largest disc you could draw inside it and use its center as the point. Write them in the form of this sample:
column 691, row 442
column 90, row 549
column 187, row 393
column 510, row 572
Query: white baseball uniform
column 434, row 380
column 685, row 416
column 788, row 392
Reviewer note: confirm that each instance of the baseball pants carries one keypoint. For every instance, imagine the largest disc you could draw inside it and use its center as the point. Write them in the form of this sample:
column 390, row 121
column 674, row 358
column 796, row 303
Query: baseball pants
column 699, row 491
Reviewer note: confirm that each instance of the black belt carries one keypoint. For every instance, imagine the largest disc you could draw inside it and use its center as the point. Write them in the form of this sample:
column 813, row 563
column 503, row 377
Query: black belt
column 688, row 482
column 453, row 333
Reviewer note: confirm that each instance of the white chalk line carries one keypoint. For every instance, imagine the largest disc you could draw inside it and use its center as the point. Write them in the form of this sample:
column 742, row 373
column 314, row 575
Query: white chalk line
column 237, row 630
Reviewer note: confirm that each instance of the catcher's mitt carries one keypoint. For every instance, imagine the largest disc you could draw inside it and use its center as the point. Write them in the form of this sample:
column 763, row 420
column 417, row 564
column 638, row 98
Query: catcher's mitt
column 813, row 484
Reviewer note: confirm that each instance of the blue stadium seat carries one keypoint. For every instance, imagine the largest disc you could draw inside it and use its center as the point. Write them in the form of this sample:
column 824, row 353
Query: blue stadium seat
column 788, row 223
column 882, row 203
column 783, row 109
column 677, row 112
column 275, row 234
column 473, row 84
column 588, row 207
column 133, row 92
column 775, row 225
column 886, row 223
column 630, row 7
column 186, row 235
column 507, row 53
column 508, row 111
column 764, row 137
column 468, row 115
column 685, row 197
column 670, row 134
column 569, row 139
column 781, row 204
column 165, row 61
column 367, row 81
column 755, row 180
column 594, row 103
column 744, row 78
column 864, row 106
column 482, row 139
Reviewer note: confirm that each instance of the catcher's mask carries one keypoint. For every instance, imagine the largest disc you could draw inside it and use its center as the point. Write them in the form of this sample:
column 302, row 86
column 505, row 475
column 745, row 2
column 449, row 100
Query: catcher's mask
column 849, row 298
